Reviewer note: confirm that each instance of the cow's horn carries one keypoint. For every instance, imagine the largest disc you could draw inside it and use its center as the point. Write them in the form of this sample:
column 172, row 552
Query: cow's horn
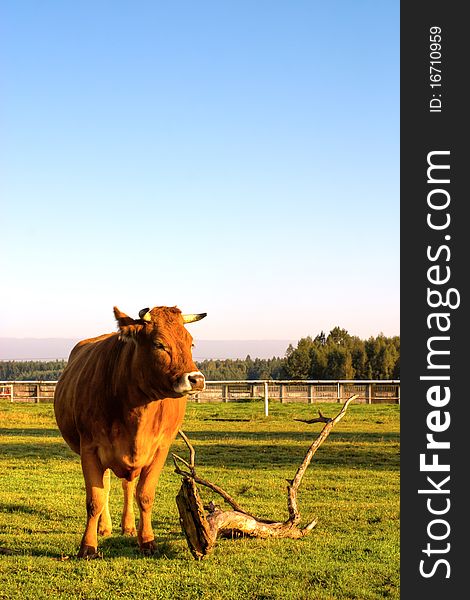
column 192, row 318
column 144, row 314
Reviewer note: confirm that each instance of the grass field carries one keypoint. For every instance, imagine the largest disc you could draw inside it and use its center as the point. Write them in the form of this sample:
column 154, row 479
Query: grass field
column 352, row 487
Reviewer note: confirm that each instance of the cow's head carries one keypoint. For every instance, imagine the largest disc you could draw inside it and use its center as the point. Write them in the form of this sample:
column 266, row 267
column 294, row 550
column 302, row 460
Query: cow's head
column 163, row 349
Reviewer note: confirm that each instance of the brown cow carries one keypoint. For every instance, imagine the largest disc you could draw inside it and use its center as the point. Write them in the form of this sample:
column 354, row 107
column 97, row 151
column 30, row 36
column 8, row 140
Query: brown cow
column 119, row 404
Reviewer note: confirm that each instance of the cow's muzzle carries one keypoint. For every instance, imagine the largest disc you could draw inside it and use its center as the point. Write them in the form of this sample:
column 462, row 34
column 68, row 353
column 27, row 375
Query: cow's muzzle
column 190, row 383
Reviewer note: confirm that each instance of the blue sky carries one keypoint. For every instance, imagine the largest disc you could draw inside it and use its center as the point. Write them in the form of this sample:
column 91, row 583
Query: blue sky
column 238, row 158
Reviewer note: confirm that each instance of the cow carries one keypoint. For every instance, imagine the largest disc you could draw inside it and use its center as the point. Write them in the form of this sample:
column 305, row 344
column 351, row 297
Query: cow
column 119, row 404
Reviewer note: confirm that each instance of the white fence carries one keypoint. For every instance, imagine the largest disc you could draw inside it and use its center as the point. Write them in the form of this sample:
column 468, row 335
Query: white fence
column 307, row 391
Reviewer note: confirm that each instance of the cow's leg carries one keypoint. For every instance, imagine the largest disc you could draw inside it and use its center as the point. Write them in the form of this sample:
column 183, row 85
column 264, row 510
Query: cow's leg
column 93, row 473
column 128, row 516
column 145, row 496
column 105, row 525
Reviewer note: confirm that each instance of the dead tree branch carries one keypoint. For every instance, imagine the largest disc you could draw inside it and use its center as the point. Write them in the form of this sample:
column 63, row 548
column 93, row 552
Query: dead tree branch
column 202, row 529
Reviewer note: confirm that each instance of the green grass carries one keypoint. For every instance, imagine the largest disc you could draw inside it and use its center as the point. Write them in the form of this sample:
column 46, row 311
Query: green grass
column 352, row 487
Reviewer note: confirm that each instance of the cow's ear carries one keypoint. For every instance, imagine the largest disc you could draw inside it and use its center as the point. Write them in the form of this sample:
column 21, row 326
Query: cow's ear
column 128, row 327
column 122, row 318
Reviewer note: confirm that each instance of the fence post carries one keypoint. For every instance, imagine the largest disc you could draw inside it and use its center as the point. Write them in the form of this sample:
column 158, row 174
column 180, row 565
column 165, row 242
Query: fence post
column 338, row 391
column 11, row 392
column 225, row 394
column 281, row 393
column 266, row 399
column 398, row 394
column 310, row 394
column 369, row 394
column 38, row 389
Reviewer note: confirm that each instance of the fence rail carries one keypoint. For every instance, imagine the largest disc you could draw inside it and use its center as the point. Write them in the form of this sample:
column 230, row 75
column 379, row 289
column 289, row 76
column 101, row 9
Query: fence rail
column 307, row 391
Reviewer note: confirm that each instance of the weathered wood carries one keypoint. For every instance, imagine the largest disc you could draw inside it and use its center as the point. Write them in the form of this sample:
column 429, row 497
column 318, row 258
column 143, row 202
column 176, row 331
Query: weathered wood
column 193, row 520
column 24, row 390
column 202, row 529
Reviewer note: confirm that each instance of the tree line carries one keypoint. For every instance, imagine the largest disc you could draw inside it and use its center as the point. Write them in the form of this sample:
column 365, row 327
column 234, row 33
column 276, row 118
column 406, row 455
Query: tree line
column 31, row 370
column 340, row 355
column 337, row 355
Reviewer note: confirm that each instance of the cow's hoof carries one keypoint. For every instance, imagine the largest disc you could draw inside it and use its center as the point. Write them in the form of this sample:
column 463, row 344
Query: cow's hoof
column 104, row 531
column 89, row 553
column 131, row 531
column 148, row 548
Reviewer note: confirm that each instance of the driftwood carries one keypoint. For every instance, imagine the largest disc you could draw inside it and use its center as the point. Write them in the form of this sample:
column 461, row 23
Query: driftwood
column 202, row 528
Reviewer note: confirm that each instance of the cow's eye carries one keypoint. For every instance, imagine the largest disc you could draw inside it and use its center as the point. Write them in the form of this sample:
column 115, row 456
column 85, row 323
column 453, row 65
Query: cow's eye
column 159, row 346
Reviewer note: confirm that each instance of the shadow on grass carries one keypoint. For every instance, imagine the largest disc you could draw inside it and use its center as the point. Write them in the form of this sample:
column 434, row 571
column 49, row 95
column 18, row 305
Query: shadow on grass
column 243, row 449
column 120, row 545
column 54, row 519
column 264, row 457
column 20, row 508
column 310, row 432
column 37, row 450
column 114, row 546
column 30, row 432
column 359, row 450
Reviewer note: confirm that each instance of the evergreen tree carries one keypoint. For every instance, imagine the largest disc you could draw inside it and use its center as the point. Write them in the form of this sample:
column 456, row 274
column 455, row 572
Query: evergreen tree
column 339, row 364
column 339, row 336
column 359, row 359
column 298, row 363
column 318, row 361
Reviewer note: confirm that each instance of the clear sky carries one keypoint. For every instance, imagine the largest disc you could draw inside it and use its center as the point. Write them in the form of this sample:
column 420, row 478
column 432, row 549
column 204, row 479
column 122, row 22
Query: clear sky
column 234, row 157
